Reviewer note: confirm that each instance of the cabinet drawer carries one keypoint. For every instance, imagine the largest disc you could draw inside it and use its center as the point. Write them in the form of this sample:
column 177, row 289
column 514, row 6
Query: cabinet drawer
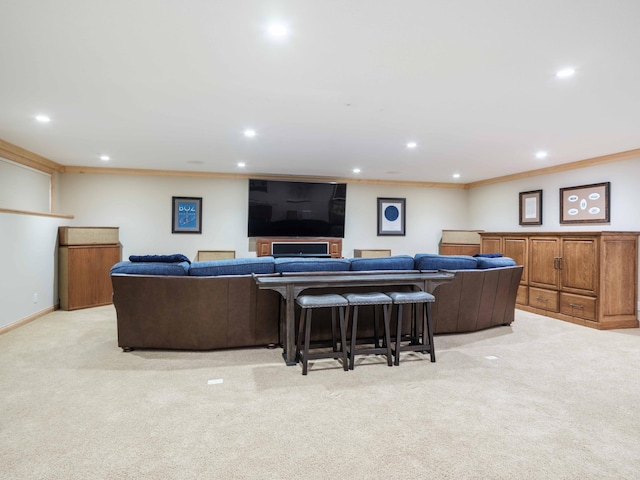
column 523, row 295
column 578, row 306
column 543, row 299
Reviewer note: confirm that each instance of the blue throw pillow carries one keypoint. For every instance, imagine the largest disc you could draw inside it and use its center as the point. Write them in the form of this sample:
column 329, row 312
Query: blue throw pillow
column 488, row 255
column 174, row 258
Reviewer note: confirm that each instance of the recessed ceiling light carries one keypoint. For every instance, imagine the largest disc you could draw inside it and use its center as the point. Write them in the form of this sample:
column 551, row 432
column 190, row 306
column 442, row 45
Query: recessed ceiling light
column 43, row 118
column 250, row 133
column 565, row 72
column 456, row 175
column 278, row 30
column 242, row 164
column 105, row 158
column 356, row 170
column 541, row 154
column 412, row 145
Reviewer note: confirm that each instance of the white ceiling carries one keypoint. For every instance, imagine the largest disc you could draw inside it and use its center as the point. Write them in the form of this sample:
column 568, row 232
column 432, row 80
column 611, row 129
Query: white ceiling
column 172, row 84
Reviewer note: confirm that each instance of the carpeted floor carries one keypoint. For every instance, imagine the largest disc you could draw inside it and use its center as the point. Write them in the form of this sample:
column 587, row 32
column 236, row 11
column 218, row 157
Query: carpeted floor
column 542, row 399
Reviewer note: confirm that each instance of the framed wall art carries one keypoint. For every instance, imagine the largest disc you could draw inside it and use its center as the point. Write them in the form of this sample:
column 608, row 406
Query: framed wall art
column 391, row 216
column 531, row 207
column 585, row 204
column 186, row 215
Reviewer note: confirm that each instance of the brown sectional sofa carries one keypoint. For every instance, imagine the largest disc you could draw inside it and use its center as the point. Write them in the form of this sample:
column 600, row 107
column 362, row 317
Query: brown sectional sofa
column 213, row 311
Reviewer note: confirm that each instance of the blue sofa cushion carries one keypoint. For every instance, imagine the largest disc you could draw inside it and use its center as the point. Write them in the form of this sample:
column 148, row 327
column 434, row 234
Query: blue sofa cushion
column 396, row 262
column 232, row 266
column 174, row 258
column 432, row 261
column 178, row 269
column 495, row 262
column 488, row 255
column 288, row 264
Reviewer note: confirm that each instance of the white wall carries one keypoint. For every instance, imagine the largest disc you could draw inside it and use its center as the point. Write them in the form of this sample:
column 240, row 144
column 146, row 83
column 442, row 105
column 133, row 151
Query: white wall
column 23, row 188
column 28, row 242
column 141, row 207
column 28, row 266
column 495, row 207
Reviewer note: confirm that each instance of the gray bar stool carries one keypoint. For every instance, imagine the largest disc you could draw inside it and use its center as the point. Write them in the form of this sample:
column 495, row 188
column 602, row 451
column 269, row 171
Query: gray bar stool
column 419, row 343
column 307, row 304
column 357, row 300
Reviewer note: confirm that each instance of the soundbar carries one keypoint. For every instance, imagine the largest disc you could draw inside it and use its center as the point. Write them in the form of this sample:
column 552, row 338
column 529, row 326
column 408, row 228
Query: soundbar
column 300, row 249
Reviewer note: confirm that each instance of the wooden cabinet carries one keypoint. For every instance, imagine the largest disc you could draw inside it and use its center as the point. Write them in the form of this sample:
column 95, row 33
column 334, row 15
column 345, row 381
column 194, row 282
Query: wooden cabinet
column 588, row 278
column 516, row 247
column 264, row 246
column 371, row 253
column 85, row 256
column 84, row 275
column 460, row 242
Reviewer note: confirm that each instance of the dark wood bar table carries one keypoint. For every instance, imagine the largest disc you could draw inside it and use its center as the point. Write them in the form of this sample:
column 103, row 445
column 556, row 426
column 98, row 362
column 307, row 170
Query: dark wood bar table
column 290, row 285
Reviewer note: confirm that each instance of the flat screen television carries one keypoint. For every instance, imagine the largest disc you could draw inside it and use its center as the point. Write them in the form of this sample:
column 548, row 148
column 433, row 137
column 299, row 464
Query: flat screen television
column 280, row 208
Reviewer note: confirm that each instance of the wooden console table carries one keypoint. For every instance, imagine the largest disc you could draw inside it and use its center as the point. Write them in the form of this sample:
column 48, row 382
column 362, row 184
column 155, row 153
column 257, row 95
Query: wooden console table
column 290, row 286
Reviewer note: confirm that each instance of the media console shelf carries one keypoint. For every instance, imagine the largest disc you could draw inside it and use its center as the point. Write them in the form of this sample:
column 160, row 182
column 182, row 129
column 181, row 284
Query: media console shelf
column 299, row 247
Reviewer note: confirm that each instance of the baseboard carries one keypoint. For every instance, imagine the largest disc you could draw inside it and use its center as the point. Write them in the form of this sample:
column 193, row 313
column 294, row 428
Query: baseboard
column 30, row 318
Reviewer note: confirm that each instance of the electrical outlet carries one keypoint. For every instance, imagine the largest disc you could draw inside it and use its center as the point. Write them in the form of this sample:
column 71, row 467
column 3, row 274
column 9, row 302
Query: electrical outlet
column 35, row 298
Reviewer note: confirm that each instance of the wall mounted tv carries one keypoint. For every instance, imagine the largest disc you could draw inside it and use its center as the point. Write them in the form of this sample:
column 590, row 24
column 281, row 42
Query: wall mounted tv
column 296, row 209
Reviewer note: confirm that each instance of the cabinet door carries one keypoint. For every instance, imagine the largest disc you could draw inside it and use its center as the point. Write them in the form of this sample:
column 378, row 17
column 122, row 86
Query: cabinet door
column 518, row 249
column 579, row 265
column 543, row 259
column 491, row 244
column 89, row 281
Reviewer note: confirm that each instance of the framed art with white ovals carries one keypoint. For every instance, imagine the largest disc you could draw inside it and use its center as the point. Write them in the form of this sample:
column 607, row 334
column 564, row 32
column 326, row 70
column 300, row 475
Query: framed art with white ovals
column 585, row 204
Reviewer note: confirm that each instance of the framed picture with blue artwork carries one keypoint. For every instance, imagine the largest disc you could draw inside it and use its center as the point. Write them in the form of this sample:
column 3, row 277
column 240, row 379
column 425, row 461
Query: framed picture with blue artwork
column 391, row 216
column 186, row 215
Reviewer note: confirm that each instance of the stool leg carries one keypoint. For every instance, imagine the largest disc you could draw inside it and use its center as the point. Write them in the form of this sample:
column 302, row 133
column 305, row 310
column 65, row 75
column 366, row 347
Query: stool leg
column 386, row 311
column 429, row 331
column 307, row 340
column 398, row 335
column 343, row 339
column 303, row 314
column 334, row 342
column 354, row 329
column 376, row 334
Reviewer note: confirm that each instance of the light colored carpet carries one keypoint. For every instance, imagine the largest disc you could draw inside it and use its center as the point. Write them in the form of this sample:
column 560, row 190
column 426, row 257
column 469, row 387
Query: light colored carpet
column 558, row 401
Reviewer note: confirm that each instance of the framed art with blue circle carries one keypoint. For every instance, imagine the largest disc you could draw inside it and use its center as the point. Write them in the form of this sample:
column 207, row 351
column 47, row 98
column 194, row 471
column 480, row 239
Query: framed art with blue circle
column 186, row 215
column 391, row 216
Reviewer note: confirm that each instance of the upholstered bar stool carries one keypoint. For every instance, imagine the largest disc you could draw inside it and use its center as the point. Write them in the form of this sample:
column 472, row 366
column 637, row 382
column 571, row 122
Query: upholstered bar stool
column 356, row 300
column 307, row 304
column 420, row 341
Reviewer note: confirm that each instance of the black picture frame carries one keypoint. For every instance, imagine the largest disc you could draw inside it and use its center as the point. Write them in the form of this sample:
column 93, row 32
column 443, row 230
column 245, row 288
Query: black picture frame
column 585, row 204
column 186, row 215
column 531, row 208
column 391, row 216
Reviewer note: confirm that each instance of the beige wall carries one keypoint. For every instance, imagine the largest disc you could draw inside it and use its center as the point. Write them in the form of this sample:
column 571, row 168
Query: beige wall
column 141, row 207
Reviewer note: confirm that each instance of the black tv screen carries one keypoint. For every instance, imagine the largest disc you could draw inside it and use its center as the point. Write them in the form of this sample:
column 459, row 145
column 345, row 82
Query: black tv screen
column 296, row 209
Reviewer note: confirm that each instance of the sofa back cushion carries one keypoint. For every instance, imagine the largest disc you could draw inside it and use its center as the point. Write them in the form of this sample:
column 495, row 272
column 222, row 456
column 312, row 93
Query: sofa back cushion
column 176, row 269
column 432, row 261
column 232, row 266
column 396, row 262
column 289, row 264
column 495, row 262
